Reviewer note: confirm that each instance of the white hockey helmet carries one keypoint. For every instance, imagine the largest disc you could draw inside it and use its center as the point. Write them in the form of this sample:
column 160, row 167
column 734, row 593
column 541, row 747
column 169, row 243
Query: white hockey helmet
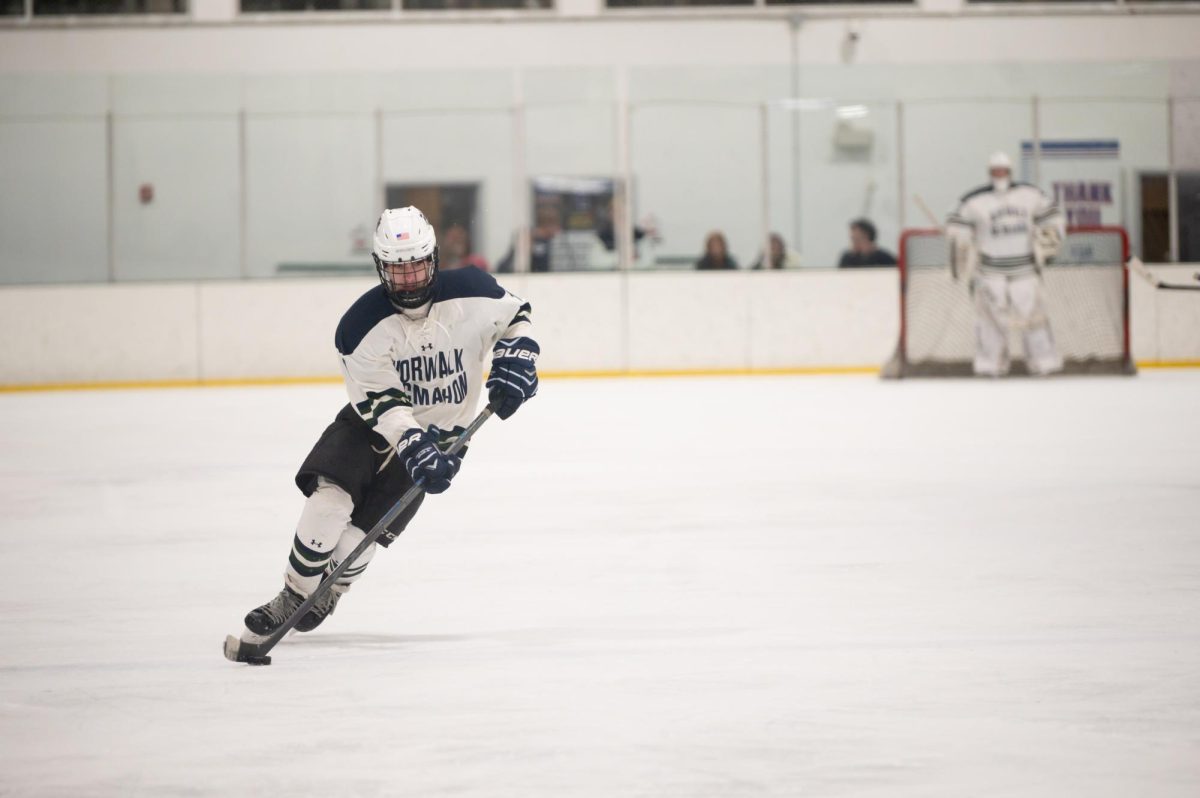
column 999, row 160
column 406, row 256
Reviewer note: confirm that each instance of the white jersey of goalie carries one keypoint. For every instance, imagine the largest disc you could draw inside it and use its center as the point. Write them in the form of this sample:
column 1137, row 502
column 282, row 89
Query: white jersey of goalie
column 1002, row 225
column 406, row 369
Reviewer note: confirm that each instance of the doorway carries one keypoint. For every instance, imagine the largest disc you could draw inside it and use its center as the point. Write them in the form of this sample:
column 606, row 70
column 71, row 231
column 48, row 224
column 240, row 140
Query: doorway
column 445, row 205
column 1187, row 203
column 1156, row 218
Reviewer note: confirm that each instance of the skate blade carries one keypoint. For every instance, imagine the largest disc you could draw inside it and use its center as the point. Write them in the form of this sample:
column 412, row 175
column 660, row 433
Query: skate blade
column 244, row 650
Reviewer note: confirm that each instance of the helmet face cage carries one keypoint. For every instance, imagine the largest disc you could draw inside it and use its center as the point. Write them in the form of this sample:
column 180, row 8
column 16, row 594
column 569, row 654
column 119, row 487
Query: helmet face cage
column 406, row 256
column 409, row 283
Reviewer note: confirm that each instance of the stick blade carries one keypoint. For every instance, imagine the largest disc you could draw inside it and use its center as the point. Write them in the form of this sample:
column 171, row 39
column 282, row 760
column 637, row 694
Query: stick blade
column 1137, row 267
column 238, row 650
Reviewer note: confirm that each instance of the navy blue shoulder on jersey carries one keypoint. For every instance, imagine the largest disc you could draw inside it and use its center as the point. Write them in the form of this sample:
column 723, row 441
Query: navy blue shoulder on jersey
column 370, row 309
column 976, row 192
column 988, row 187
column 1023, row 184
column 465, row 283
column 374, row 306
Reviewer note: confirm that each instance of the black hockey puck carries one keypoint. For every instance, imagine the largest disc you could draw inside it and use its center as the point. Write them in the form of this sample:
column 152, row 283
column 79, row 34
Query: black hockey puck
column 236, row 650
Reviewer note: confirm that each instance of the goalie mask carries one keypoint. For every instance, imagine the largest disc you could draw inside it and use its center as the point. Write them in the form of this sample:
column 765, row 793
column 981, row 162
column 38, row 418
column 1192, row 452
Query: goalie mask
column 1000, row 171
column 406, row 256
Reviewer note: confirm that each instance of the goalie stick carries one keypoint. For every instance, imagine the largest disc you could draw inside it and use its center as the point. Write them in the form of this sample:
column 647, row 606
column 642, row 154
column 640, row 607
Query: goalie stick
column 941, row 228
column 933, row 220
column 1136, row 265
column 254, row 651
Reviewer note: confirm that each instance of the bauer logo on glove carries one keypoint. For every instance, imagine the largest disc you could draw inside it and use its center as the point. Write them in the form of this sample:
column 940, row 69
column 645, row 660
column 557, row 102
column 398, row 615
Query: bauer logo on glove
column 514, row 378
column 520, row 354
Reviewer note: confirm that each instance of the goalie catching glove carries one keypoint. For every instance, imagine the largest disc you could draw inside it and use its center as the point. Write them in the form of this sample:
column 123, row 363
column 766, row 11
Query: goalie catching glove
column 427, row 465
column 1047, row 241
column 514, row 376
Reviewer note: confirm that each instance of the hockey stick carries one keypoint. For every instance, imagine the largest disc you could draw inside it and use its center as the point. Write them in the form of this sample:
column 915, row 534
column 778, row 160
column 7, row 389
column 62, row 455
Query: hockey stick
column 1136, row 265
column 941, row 228
column 933, row 220
column 255, row 652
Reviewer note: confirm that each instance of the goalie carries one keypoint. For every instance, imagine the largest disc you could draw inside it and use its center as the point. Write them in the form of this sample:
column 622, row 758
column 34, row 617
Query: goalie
column 1000, row 237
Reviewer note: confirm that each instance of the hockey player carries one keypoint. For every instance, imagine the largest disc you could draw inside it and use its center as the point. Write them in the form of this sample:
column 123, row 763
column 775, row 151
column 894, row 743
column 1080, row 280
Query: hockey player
column 1006, row 232
column 412, row 352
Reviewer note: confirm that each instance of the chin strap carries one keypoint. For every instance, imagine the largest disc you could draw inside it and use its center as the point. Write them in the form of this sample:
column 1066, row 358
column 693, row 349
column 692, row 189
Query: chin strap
column 417, row 313
column 414, row 311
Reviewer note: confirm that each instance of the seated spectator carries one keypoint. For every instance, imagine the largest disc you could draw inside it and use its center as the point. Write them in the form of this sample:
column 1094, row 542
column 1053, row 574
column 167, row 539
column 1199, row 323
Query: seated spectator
column 781, row 256
column 455, row 250
column 606, row 226
column 863, row 251
column 716, row 253
column 547, row 227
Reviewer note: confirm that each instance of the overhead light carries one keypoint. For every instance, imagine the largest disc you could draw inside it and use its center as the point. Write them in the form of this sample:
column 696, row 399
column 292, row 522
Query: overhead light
column 807, row 103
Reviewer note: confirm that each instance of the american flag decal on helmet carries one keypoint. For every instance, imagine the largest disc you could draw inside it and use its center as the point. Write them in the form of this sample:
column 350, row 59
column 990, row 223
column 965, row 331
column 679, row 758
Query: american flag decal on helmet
column 401, row 236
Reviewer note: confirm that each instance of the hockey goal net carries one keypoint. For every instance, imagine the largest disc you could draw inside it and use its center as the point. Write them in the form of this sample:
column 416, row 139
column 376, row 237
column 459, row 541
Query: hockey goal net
column 1086, row 293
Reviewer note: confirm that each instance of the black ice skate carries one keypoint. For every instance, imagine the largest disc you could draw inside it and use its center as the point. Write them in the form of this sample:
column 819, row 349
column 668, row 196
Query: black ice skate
column 270, row 616
column 324, row 607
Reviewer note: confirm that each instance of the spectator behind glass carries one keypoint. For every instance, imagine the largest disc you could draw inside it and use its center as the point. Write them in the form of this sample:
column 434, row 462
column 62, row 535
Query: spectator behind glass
column 606, row 226
column 454, row 251
column 547, row 224
column 781, row 256
column 863, row 251
column 716, row 253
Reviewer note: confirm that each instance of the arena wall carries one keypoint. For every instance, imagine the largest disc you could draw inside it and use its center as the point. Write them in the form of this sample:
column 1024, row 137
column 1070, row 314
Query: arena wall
column 722, row 37
column 232, row 120
column 589, row 324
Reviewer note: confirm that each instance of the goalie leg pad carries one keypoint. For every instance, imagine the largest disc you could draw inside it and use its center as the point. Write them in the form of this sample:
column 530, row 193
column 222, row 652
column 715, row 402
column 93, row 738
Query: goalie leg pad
column 991, row 325
column 1029, row 313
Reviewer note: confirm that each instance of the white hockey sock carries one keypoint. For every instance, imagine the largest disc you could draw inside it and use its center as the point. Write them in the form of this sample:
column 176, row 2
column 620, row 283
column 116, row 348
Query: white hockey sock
column 325, row 517
column 351, row 538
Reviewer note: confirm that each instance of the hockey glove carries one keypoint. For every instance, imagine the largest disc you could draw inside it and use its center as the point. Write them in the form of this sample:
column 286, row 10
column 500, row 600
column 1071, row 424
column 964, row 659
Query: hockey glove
column 427, row 465
column 514, row 374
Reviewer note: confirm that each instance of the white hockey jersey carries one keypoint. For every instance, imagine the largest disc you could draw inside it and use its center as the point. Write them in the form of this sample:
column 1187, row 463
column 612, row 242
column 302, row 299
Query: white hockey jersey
column 406, row 370
column 1002, row 225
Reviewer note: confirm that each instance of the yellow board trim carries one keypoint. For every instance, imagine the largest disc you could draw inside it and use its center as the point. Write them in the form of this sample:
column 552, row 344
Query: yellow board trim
column 247, row 382
column 238, row 382
column 1169, row 364
column 797, row 371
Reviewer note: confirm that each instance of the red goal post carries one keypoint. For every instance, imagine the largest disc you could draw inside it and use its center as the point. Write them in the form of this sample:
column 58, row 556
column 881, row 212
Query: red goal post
column 1086, row 293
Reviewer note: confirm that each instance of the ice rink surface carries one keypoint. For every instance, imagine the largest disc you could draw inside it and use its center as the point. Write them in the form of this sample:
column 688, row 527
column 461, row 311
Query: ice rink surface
column 811, row 586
